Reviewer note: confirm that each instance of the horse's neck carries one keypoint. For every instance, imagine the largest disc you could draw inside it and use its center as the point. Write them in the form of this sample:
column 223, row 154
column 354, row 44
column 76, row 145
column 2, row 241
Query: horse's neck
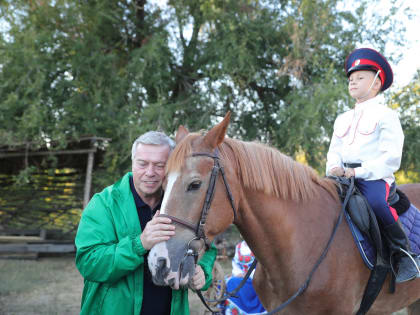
column 283, row 234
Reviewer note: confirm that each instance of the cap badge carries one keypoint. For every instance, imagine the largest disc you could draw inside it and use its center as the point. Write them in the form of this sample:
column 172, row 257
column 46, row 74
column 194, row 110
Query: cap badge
column 357, row 62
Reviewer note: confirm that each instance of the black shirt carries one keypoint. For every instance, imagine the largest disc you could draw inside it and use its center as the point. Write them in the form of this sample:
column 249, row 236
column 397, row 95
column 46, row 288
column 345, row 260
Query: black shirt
column 156, row 299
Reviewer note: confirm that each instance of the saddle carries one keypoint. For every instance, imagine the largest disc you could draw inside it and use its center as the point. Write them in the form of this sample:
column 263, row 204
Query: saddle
column 362, row 216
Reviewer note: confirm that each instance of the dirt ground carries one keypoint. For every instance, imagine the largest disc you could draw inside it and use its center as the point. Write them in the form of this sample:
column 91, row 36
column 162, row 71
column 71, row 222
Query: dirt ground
column 44, row 286
column 52, row 286
column 47, row 286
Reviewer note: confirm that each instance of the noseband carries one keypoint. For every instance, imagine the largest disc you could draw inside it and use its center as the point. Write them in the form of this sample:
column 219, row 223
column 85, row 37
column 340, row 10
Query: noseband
column 199, row 227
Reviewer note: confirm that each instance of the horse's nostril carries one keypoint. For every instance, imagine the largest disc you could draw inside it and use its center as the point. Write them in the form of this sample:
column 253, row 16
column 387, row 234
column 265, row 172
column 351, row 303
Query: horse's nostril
column 161, row 272
column 161, row 262
column 171, row 282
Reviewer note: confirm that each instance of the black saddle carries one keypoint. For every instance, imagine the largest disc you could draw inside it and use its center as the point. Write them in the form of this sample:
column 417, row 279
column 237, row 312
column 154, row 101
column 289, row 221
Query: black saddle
column 361, row 213
column 364, row 218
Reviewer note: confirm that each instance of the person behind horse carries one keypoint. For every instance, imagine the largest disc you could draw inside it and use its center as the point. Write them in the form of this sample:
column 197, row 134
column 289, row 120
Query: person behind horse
column 367, row 143
column 116, row 231
column 247, row 301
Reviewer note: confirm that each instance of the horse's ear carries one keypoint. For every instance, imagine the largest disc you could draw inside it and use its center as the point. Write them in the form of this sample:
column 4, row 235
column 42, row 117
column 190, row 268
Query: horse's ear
column 181, row 134
column 216, row 135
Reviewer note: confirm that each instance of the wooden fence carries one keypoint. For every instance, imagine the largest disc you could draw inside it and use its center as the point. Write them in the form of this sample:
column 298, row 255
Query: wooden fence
column 52, row 199
column 29, row 244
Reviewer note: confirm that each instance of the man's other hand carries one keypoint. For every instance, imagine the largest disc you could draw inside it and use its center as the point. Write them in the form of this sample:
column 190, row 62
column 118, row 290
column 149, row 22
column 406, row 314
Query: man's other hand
column 199, row 279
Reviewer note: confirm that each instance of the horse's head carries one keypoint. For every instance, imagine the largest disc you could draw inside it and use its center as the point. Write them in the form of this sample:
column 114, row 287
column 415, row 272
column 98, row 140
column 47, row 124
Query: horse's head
column 189, row 176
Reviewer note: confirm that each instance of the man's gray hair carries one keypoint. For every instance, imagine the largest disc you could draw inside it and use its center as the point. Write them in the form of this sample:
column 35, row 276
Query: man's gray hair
column 152, row 137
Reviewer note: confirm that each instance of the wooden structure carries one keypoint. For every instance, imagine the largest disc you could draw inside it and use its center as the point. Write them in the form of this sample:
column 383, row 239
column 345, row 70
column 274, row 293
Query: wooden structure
column 29, row 244
column 12, row 158
column 59, row 188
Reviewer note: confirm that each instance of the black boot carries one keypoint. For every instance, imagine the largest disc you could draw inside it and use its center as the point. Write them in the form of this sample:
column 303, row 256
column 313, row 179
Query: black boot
column 407, row 264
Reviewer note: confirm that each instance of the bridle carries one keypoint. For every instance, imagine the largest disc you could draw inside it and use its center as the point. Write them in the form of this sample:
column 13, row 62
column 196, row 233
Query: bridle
column 200, row 233
column 198, row 228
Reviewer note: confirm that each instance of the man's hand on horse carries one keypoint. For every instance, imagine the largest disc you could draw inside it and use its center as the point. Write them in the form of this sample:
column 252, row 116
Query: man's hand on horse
column 199, row 279
column 157, row 230
column 349, row 172
column 337, row 171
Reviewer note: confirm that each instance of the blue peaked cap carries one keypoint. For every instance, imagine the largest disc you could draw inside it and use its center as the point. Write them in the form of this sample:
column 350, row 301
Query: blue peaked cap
column 370, row 59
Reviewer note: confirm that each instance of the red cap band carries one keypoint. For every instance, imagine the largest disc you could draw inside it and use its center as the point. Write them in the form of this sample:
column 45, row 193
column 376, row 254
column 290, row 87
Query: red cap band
column 361, row 62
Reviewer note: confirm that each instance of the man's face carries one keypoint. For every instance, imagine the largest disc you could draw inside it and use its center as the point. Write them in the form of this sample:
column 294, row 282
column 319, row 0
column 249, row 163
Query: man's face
column 148, row 168
column 359, row 83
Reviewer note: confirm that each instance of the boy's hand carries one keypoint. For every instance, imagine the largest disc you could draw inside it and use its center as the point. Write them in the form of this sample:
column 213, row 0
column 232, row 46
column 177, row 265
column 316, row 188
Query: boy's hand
column 349, row 172
column 336, row 171
column 157, row 230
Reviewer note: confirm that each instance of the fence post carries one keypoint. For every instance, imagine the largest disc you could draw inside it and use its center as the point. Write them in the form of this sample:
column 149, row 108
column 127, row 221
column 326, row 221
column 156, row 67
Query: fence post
column 88, row 181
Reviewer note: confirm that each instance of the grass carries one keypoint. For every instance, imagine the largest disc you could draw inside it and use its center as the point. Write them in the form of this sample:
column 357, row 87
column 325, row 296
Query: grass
column 49, row 286
column 46, row 286
column 53, row 286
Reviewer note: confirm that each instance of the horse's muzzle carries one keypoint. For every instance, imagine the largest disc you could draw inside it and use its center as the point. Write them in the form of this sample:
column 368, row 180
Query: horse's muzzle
column 170, row 267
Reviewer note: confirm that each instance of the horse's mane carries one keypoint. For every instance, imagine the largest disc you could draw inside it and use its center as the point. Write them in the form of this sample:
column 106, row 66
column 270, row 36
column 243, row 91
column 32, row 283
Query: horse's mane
column 262, row 168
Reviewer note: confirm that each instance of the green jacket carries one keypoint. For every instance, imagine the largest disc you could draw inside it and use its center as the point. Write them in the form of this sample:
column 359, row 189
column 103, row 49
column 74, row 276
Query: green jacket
column 110, row 256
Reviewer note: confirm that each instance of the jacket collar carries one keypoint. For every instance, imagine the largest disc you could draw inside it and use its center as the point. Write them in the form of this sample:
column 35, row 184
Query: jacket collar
column 378, row 99
column 121, row 193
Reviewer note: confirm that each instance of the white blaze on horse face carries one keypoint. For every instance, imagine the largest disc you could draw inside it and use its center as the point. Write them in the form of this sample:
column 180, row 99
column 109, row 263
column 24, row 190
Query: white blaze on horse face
column 172, row 177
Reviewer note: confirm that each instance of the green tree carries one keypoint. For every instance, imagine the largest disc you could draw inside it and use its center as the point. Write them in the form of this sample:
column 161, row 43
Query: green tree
column 407, row 102
column 118, row 68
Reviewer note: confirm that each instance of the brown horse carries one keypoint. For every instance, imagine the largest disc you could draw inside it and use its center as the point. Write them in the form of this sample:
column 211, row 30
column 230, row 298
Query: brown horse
column 285, row 212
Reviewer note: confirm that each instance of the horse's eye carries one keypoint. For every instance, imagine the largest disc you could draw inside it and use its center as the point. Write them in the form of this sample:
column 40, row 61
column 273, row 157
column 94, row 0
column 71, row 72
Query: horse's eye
column 194, row 185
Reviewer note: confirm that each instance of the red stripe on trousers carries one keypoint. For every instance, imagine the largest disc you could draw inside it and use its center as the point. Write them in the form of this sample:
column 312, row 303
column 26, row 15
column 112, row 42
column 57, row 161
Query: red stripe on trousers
column 393, row 211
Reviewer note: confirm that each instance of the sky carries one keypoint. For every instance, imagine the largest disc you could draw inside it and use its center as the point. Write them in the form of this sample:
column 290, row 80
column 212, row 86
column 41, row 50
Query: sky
column 405, row 69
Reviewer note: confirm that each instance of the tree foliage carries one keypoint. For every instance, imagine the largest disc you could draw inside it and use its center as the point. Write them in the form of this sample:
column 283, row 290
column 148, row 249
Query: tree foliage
column 407, row 102
column 116, row 69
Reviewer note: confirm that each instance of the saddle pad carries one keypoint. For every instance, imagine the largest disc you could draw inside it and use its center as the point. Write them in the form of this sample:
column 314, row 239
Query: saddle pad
column 411, row 223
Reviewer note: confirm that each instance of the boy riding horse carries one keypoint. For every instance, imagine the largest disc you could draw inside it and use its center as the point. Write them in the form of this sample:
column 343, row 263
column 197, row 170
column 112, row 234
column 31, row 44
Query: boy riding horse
column 367, row 143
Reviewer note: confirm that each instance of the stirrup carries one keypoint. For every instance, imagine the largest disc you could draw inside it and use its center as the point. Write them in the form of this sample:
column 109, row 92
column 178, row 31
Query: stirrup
column 413, row 262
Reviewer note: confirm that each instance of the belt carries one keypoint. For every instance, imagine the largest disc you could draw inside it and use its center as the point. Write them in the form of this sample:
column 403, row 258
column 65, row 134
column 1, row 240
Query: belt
column 352, row 165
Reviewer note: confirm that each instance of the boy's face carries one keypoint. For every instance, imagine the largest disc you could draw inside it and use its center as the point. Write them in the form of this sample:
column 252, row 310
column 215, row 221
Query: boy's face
column 359, row 84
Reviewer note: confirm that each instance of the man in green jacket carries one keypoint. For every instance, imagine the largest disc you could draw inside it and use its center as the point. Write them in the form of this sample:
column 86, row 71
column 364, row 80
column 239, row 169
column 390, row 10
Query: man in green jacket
column 118, row 228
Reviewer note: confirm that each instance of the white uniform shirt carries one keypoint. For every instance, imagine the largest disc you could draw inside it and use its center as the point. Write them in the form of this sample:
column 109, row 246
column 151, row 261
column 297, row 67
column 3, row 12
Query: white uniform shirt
column 369, row 134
